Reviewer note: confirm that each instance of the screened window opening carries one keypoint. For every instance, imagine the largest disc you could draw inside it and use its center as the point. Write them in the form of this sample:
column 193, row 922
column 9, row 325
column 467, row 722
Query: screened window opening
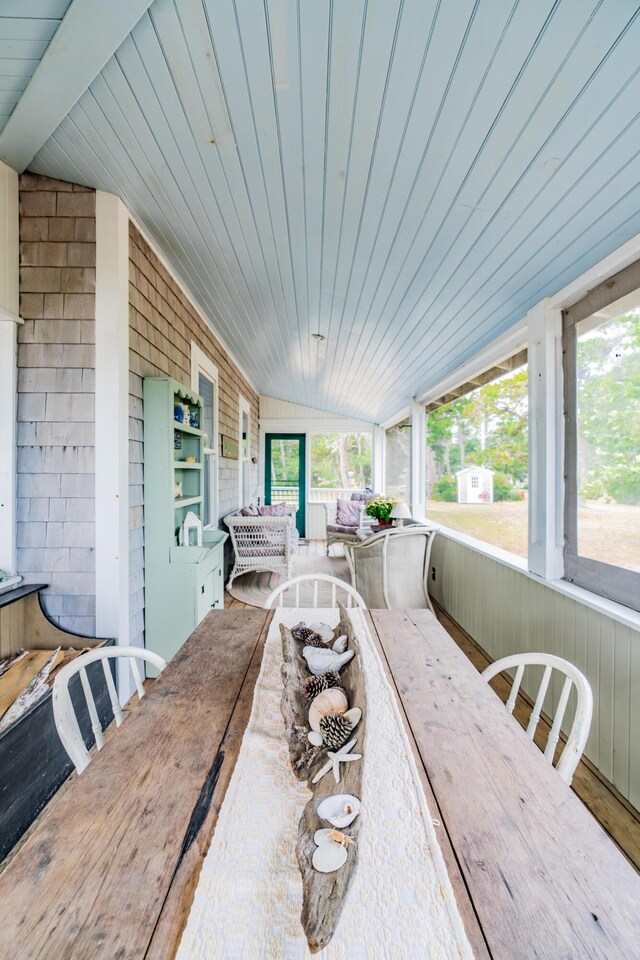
column 478, row 459
column 602, row 400
column 340, row 464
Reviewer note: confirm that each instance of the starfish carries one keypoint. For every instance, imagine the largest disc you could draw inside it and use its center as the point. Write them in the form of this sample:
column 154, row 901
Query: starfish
column 342, row 755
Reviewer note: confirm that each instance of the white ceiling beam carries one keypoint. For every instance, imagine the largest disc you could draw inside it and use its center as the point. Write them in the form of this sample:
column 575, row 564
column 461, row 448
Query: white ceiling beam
column 87, row 38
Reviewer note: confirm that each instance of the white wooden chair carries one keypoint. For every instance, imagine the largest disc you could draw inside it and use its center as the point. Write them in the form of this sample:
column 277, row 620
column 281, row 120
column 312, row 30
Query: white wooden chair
column 63, row 711
column 582, row 720
column 277, row 597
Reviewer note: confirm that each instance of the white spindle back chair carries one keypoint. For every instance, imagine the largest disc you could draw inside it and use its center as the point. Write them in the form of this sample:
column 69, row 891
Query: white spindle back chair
column 582, row 720
column 63, row 711
column 276, row 597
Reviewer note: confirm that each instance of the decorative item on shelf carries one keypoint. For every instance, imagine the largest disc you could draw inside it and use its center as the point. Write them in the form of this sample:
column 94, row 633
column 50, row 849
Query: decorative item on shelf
column 329, row 701
column 178, row 413
column 380, row 508
column 177, row 440
column 186, row 412
column 400, row 513
column 319, row 661
column 194, row 419
column 340, row 810
column 312, row 686
column 190, row 460
column 190, row 534
column 177, row 490
column 230, row 448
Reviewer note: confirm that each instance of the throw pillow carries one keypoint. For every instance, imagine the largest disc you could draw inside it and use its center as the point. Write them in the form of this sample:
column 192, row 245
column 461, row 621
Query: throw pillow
column 273, row 510
column 348, row 513
column 250, row 511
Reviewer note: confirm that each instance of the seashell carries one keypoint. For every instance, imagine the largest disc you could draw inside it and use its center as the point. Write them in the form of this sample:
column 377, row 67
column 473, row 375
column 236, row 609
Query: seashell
column 354, row 716
column 329, row 856
column 332, row 700
column 340, row 810
column 321, row 836
column 319, row 661
column 324, row 630
column 340, row 645
column 315, row 738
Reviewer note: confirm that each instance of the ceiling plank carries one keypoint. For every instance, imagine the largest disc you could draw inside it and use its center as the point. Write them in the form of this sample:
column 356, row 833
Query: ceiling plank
column 65, row 72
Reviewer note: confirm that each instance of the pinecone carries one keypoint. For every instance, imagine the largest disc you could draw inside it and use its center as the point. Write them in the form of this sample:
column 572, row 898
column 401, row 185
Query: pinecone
column 312, row 686
column 335, row 729
column 315, row 640
column 307, row 635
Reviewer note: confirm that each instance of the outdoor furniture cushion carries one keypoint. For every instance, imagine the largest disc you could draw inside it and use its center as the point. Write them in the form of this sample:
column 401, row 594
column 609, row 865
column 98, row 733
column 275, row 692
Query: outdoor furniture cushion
column 340, row 528
column 348, row 513
column 250, row 511
column 273, row 510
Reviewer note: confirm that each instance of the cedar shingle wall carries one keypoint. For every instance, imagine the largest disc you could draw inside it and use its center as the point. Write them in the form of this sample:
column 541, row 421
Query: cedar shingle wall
column 163, row 322
column 55, row 482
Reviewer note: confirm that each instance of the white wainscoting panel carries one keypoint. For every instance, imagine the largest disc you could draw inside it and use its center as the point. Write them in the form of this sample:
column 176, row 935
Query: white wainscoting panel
column 506, row 611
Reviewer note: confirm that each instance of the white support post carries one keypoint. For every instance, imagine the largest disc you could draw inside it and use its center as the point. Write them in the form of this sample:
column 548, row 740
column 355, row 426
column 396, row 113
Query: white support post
column 546, row 441
column 112, row 426
column 378, row 453
column 418, row 487
column 9, row 320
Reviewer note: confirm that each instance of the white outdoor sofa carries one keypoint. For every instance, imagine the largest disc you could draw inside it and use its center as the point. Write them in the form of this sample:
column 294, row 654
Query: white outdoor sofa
column 263, row 543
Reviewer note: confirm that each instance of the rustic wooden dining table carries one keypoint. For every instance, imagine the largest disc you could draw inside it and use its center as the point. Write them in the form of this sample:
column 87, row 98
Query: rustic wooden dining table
column 111, row 869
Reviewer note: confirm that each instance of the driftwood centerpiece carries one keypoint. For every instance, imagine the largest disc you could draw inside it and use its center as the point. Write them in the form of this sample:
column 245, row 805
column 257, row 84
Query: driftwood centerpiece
column 324, row 894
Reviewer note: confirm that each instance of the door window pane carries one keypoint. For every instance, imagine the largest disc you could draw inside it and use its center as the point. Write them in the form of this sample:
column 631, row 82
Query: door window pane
column 340, row 462
column 206, row 391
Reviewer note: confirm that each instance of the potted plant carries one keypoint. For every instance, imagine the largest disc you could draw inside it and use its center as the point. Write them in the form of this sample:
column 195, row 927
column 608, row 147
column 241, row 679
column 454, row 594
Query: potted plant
column 380, row 508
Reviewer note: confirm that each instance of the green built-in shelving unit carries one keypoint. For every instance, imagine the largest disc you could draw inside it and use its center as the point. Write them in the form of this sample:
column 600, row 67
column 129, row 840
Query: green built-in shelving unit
column 182, row 583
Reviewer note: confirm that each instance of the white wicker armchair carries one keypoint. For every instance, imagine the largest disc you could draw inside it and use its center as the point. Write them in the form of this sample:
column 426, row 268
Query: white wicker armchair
column 263, row 543
column 390, row 570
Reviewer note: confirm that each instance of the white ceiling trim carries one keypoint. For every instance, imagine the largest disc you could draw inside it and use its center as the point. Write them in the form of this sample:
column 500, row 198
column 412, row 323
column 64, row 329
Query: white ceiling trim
column 87, row 38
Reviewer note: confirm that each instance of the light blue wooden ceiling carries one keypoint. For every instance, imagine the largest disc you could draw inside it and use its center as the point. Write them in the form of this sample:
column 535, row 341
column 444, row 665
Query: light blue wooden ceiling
column 406, row 177
column 26, row 27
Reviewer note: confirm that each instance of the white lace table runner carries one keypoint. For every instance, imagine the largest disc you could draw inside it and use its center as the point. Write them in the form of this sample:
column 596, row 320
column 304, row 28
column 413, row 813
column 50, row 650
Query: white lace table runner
column 249, row 897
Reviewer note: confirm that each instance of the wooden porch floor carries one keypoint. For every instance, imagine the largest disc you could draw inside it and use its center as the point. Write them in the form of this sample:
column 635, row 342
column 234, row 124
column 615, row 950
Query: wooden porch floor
column 614, row 813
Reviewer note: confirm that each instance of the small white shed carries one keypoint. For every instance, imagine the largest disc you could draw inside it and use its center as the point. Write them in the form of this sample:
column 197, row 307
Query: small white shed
column 475, row 485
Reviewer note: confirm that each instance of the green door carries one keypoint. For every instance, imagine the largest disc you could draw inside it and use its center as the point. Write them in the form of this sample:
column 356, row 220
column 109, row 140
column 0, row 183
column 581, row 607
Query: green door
column 285, row 472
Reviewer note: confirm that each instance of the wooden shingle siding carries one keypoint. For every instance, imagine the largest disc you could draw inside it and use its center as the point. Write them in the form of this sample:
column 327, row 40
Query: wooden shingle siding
column 162, row 324
column 507, row 612
column 56, row 435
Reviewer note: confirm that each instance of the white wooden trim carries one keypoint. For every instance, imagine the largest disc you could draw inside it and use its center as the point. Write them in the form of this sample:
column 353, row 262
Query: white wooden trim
column 112, row 424
column 546, row 446
column 243, row 407
column 202, row 361
column 418, row 460
column 379, row 453
column 398, row 417
column 337, row 425
column 626, row 254
column 171, row 270
column 9, row 320
column 65, row 72
column 504, row 346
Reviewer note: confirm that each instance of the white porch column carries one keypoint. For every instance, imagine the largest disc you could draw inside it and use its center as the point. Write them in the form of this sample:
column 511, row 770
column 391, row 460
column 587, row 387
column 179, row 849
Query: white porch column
column 378, row 471
column 418, row 472
column 112, row 424
column 9, row 320
column 546, row 441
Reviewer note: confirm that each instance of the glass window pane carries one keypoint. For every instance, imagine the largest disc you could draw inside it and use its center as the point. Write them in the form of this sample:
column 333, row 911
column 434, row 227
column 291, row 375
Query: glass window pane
column 206, row 391
column 340, row 463
column 608, row 433
column 477, row 463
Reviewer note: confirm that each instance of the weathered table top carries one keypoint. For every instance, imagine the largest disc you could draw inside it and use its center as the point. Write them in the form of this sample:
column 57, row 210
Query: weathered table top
column 111, row 869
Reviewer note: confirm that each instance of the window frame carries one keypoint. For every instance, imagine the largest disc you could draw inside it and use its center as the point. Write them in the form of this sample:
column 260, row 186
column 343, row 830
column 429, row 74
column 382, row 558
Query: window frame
column 244, row 407
column 608, row 580
column 202, row 363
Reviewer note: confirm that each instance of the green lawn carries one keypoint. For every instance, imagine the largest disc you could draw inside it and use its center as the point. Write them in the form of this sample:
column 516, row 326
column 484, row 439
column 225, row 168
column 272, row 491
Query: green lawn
column 607, row 532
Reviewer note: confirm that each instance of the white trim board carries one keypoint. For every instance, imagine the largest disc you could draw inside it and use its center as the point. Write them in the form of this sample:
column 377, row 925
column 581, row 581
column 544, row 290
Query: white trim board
column 112, row 426
column 626, row 254
column 9, row 321
column 192, row 300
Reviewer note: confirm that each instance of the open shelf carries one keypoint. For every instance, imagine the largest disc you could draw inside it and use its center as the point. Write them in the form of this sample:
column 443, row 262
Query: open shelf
column 186, row 501
column 184, row 428
column 178, row 465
